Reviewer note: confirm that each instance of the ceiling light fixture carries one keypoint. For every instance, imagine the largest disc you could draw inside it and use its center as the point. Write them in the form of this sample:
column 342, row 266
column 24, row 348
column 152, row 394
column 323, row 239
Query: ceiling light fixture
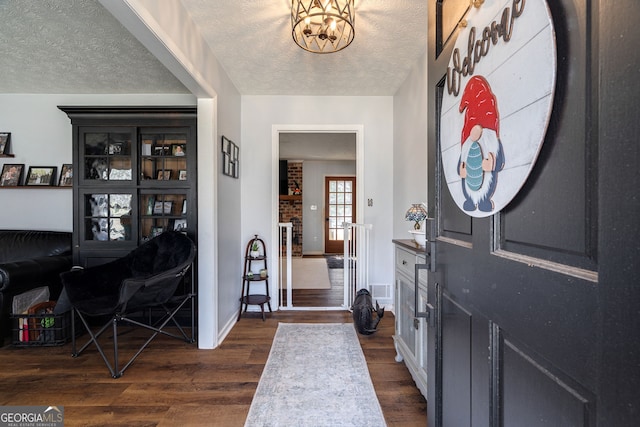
column 322, row 26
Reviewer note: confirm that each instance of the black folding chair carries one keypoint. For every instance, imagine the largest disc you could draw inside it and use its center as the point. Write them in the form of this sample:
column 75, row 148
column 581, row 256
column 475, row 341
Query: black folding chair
column 145, row 279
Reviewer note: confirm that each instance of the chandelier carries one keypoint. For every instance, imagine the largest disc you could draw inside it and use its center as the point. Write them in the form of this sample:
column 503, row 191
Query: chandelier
column 322, row 26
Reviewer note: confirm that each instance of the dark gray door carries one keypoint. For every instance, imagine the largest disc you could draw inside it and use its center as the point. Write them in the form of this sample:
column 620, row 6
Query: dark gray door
column 535, row 317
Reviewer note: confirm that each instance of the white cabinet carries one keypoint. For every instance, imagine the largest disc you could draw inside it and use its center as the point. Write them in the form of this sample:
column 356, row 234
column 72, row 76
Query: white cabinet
column 411, row 332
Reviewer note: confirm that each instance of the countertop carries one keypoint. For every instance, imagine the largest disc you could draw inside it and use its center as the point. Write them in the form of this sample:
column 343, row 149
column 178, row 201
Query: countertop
column 409, row 244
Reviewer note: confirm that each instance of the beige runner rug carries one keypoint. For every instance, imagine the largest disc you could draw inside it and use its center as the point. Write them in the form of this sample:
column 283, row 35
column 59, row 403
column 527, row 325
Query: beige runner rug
column 316, row 375
column 309, row 273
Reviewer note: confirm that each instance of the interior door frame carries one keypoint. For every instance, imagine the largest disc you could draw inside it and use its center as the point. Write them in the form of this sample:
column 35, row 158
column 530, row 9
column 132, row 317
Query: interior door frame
column 276, row 130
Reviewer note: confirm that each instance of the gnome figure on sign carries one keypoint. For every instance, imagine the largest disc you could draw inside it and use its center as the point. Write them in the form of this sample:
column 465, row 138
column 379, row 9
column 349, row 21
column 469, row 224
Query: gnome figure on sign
column 481, row 154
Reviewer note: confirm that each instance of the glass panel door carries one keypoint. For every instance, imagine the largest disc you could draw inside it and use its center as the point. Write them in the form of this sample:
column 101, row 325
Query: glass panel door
column 107, row 216
column 107, row 156
column 339, row 208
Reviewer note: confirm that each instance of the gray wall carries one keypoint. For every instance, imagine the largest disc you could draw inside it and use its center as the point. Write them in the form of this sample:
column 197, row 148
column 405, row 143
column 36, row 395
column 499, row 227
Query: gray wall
column 410, row 109
column 313, row 174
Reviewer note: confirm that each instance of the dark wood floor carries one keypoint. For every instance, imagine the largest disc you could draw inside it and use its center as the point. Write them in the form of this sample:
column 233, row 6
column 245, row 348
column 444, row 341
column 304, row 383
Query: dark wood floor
column 333, row 297
column 173, row 383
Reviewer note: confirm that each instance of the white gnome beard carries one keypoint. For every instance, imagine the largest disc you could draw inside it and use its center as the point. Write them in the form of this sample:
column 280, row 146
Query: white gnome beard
column 489, row 143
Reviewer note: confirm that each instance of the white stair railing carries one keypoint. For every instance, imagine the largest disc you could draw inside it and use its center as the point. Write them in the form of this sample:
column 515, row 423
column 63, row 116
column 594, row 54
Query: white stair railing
column 356, row 259
column 284, row 280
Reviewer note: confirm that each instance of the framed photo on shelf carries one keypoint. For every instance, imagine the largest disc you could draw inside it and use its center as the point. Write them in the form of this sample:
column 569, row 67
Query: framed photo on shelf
column 66, row 176
column 184, row 206
column 182, row 174
column 180, row 225
column 41, row 175
column 230, row 156
column 157, row 207
column 161, row 150
column 156, row 231
column 178, row 150
column 164, row 175
column 5, row 140
column 12, row 175
column 161, row 207
column 116, row 148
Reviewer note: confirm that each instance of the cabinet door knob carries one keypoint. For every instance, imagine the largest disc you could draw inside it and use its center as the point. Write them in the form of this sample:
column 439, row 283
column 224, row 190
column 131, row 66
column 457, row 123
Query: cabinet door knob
column 404, row 262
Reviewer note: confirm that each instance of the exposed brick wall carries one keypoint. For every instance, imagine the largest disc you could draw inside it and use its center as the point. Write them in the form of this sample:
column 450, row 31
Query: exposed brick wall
column 291, row 211
column 294, row 174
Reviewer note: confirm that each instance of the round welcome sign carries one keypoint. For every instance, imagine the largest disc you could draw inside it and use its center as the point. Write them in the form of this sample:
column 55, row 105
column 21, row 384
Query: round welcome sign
column 497, row 102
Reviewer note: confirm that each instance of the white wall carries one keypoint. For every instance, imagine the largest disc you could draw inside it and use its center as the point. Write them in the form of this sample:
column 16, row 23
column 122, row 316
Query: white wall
column 167, row 30
column 375, row 114
column 313, row 221
column 229, row 237
column 41, row 135
column 410, row 111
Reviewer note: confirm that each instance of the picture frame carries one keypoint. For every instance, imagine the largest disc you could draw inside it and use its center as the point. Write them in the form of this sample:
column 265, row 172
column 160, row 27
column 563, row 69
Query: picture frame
column 156, row 231
column 41, row 176
column 178, row 150
column 230, row 158
column 182, row 175
column 161, row 150
column 5, row 141
column 162, row 207
column 66, row 175
column 11, row 175
column 184, row 206
column 116, row 148
column 164, row 175
column 180, row 225
column 157, row 207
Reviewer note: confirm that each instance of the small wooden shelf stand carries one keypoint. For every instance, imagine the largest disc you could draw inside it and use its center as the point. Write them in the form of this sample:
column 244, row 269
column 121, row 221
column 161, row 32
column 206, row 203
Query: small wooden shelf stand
column 249, row 277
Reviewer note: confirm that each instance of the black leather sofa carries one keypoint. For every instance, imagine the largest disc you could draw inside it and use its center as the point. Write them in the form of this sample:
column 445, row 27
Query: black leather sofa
column 28, row 260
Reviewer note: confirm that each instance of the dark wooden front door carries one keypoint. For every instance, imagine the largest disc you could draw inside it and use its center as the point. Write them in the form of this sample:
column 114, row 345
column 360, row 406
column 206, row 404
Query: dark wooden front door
column 535, row 309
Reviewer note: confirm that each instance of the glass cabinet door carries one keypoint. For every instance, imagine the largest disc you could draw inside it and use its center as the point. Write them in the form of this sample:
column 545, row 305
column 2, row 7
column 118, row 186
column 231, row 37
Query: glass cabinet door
column 107, row 155
column 162, row 211
column 406, row 314
column 163, row 156
column 107, row 216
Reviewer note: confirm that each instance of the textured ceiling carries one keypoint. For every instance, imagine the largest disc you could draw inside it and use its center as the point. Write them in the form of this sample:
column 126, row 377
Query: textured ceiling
column 76, row 46
column 252, row 39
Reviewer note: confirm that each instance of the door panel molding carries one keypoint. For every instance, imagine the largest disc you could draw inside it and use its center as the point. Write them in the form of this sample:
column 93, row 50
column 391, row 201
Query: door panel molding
column 456, row 360
column 561, row 189
column 579, row 273
column 532, row 392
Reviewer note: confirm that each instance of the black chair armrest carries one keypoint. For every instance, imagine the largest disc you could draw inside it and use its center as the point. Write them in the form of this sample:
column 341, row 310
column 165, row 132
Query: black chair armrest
column 153, row 288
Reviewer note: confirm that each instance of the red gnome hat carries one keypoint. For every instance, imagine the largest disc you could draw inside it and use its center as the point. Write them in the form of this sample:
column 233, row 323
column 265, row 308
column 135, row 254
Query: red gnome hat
column 481, row 106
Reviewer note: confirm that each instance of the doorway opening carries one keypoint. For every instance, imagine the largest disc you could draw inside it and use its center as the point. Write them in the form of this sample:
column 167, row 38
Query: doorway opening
column 309, row 154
